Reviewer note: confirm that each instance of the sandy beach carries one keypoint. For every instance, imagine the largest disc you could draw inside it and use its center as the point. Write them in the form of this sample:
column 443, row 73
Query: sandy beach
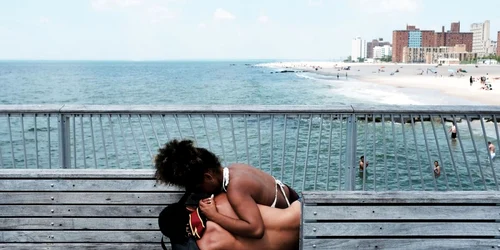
column 413, row 76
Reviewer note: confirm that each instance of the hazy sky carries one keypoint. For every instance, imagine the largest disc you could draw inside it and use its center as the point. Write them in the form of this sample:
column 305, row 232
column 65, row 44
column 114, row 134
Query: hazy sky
column 217, row 29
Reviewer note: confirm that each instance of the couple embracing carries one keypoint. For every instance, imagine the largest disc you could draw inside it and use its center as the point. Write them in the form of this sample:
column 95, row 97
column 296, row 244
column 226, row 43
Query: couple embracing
column 241, row 207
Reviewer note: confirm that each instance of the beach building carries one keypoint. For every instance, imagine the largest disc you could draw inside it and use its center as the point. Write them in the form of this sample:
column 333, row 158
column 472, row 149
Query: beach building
column 374, row 43
column 481, row 38
column 491, row 48
column 487, row 61
column 436, row 55
column 413, row 37
column 358, row 49
column 381, row 51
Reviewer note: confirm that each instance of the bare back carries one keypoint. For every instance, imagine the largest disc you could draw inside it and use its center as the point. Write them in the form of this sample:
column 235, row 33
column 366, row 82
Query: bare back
column 262, row 186
column 281, row 229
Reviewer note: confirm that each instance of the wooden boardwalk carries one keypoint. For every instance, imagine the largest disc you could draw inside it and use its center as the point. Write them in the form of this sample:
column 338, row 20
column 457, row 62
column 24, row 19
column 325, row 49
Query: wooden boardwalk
column 81, row 209
column 400, row 220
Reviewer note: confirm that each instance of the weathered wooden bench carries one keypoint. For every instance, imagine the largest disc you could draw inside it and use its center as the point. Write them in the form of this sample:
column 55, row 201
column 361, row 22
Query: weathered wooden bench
column 81, row 209
column 400, row 220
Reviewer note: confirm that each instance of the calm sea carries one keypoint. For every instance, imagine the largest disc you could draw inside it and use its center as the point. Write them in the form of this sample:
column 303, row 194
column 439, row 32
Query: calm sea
column 241, row 83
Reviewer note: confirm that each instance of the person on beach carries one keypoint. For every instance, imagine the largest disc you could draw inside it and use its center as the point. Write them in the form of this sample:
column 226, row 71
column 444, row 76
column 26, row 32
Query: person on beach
column 198, row 170
column 437, row 169
column 491, row 149
column 362, row 163
column 281, row 228
column 453, row 131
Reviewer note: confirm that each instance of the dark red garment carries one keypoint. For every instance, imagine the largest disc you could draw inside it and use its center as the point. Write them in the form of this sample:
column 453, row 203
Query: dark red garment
column 197, row 223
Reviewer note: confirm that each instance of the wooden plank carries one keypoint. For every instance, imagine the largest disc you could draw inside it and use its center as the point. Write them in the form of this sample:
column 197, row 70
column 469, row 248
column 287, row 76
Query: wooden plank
column 79, row 246
column 81, row 236
column 398, row 244
column 131, row 224
column 89, row 198
column 101, row 185
column 402, row 212
column 489, row 229
column 147, row 174
column 395, row 197
column 80, row 211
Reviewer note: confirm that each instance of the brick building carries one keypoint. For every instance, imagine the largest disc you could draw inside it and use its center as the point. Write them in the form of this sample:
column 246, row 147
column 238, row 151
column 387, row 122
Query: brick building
column 455, row 27
column 399, row 41
column 413, row 37
column 454, row 37
column 374, row 43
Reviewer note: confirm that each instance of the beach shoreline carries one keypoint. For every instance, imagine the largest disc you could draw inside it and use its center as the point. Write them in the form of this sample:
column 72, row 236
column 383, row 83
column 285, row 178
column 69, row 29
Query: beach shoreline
column 408, row 76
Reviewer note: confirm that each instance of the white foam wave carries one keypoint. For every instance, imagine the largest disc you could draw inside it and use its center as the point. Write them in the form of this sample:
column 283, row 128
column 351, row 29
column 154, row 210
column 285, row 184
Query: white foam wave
column 316, row 77
column 372, row 93
column 306, row 76
column 362, row 91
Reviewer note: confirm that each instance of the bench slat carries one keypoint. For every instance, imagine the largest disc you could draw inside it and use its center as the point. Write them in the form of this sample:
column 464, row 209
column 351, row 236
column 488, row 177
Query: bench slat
column 84, row 185
column 393, row 197
column 79, row 246
column 89, row 198
column 489, row 229
column 398, row 244
column 79, row 224
column 81, row 236
column 77, row 174
column 401, row 212
column 80, row 211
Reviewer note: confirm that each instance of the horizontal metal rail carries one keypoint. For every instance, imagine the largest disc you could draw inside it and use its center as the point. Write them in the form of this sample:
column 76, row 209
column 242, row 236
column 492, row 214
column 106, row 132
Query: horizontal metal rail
column 309, row 147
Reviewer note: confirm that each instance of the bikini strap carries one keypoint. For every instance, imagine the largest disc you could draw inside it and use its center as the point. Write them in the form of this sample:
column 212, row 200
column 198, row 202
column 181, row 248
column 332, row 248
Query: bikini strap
column 282, row 187
column 225, row 178
column 275, row 193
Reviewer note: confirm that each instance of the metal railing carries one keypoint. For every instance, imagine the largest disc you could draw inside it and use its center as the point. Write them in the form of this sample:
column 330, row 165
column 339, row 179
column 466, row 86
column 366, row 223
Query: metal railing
column 310, row 147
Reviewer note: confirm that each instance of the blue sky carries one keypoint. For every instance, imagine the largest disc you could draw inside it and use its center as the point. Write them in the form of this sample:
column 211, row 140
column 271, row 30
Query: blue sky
column 217, row 29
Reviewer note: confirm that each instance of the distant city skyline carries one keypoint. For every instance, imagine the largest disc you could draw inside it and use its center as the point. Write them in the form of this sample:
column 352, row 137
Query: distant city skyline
column 218, row 29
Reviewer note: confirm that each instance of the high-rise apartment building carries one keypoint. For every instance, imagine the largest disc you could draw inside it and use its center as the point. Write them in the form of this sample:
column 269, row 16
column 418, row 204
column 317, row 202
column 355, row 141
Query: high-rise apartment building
column 358, row 49
column 480, row 37
column 413, row 37
column 374, row 43
column 498, row 46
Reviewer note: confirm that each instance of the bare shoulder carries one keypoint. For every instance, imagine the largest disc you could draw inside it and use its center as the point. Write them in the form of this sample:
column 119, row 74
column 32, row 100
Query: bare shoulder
column 243, row 179
column 239, row 165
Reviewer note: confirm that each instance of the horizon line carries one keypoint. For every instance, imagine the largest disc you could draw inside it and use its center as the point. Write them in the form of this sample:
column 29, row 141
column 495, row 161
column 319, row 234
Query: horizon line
column 165, row 60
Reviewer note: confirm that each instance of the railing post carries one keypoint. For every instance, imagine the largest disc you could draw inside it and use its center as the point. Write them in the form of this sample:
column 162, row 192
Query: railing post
column 351, row 142
column 64, row 142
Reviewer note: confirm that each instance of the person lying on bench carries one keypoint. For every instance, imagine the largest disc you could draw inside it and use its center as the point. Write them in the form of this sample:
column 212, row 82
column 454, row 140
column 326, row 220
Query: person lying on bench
column 188, row 229
column 198, row 170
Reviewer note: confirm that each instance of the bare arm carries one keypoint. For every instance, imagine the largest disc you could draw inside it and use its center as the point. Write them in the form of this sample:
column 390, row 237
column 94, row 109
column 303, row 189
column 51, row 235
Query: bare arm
column 249, row 224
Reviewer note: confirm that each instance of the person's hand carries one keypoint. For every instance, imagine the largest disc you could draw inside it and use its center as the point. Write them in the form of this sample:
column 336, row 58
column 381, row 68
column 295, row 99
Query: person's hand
column 207, row 206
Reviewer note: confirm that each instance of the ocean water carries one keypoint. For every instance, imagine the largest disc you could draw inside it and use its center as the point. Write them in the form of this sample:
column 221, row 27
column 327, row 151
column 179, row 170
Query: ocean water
column 177, row 83
column 395, row 162
column 174, row 83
